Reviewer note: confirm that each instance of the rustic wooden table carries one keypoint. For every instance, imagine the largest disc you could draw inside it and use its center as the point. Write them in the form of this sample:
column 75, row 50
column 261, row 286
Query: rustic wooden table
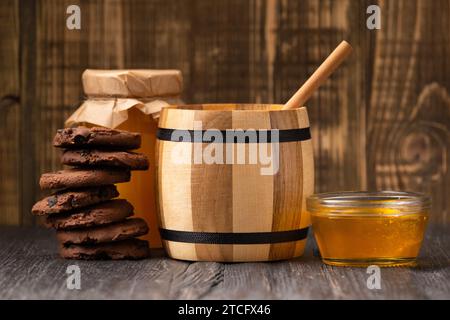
column 31, row 269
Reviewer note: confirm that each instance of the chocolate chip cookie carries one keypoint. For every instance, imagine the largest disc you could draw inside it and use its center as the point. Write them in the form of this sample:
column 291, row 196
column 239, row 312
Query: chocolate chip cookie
column 96, row 137
column 99, row 214
column 67, row 200
column 95, row 158
column 108, row 233
column 126, row 249
column 77, row 178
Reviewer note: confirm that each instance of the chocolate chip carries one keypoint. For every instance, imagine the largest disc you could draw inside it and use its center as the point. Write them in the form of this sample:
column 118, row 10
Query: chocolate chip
column 74, row 202
column 51, row 201
column 79, row 139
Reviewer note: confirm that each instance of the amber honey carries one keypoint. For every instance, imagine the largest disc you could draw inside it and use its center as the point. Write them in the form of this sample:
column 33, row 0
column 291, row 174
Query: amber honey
column 140, row 191
column 361, row 229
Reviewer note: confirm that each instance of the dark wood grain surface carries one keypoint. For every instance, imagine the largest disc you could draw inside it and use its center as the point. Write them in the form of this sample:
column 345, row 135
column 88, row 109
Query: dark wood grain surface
column 31, row 269
column 381, row 122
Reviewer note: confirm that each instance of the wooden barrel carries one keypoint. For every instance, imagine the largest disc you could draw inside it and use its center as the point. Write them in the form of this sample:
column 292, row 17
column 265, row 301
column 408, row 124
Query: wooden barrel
column 227, row 199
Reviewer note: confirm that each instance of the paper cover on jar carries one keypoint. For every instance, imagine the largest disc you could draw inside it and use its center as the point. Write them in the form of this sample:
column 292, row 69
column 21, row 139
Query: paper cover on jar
column 111, row 112
column 134, row 83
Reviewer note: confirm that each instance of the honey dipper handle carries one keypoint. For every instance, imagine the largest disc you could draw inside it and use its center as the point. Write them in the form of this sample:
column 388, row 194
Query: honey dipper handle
column 319, row 76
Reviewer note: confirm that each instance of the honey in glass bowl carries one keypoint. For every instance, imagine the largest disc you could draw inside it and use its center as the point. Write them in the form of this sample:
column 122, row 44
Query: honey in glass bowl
column 369, row 228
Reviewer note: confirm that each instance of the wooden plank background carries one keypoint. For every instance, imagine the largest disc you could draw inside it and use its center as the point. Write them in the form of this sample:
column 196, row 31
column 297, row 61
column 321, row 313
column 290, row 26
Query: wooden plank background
column 381, row 122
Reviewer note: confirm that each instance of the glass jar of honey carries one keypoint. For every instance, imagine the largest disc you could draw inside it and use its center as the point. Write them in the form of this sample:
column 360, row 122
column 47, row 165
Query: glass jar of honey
column 140, row 191
column 369, row 228
column 131, row 100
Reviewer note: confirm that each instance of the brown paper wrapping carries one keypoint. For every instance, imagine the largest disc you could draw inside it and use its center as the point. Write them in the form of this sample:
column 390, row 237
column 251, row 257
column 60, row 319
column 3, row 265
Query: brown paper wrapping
column 111, row 112
column 111, row 93
column 132, row 83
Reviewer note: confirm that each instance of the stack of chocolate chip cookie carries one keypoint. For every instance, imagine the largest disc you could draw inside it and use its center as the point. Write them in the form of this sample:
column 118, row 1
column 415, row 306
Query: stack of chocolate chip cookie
column 90, row 223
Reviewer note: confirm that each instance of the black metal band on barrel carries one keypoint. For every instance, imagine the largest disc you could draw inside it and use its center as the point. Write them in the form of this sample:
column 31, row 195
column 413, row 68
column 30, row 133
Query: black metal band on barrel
column 234, row 238
column 239, row 136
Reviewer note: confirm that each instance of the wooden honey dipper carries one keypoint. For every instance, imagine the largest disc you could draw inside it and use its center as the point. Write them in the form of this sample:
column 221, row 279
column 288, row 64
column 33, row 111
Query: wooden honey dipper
column 322, row 73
